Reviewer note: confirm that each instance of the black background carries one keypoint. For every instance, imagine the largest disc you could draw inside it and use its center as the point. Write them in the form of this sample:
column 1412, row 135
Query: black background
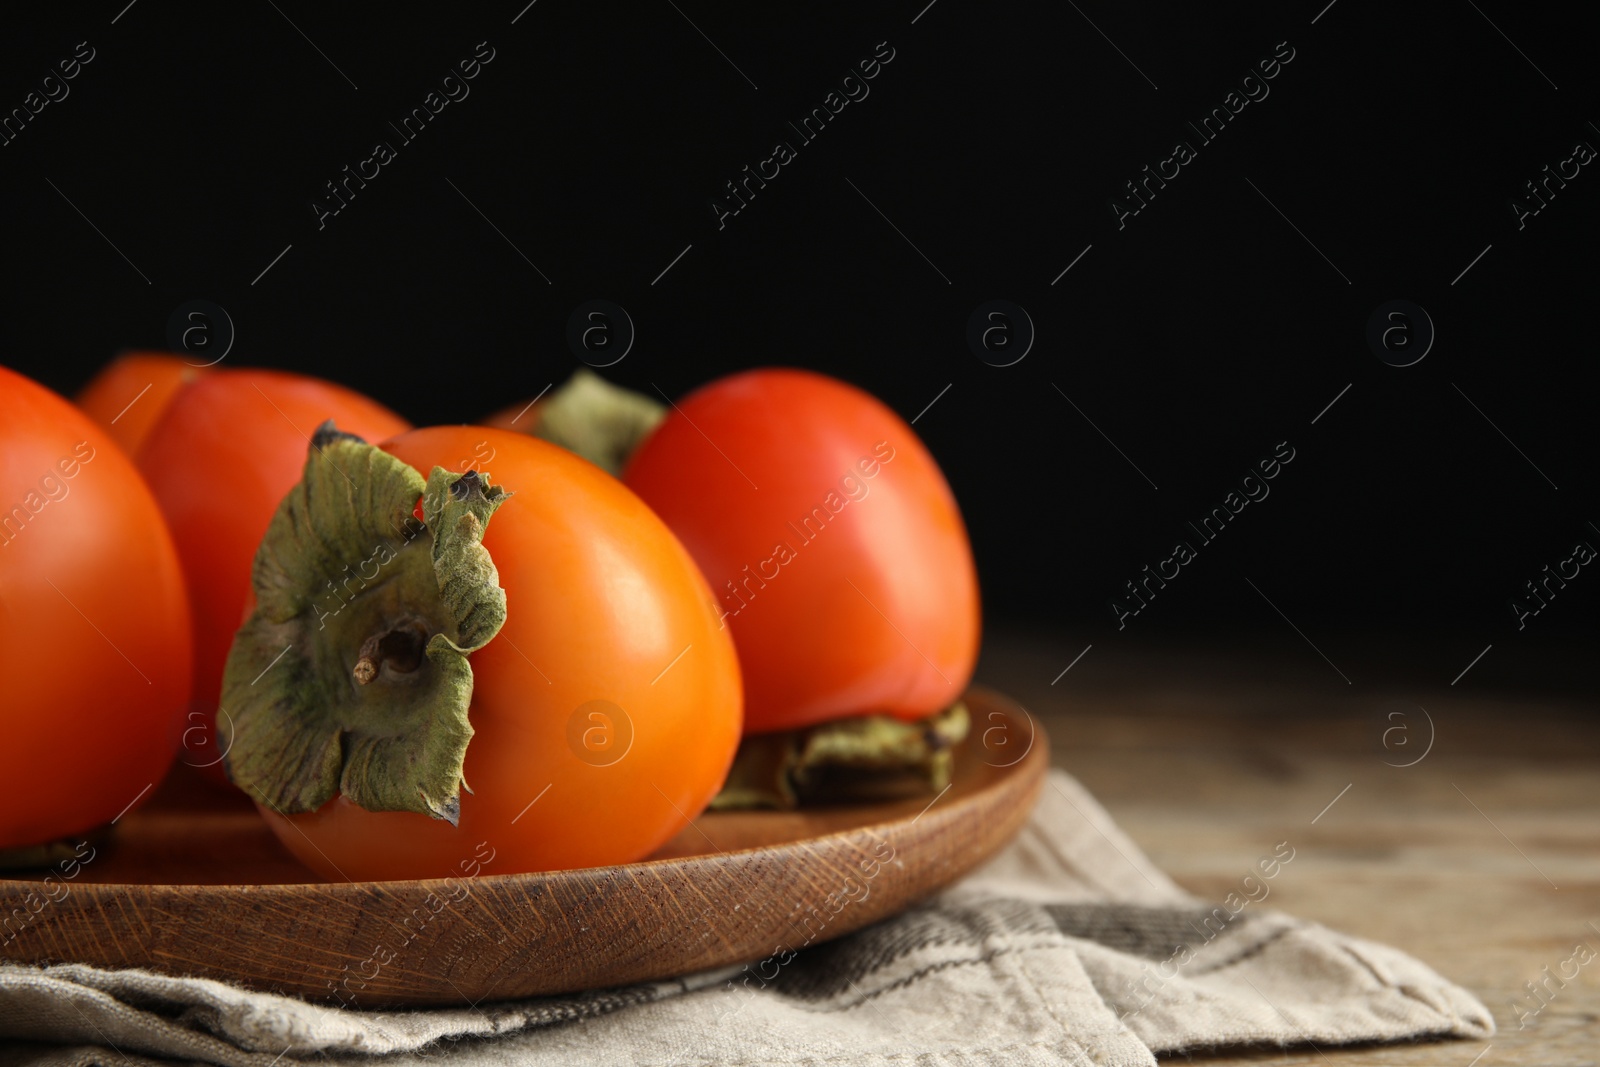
column 1196, row 337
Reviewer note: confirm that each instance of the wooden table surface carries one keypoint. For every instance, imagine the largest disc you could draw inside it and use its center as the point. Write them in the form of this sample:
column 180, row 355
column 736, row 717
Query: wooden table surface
column 1482, row 859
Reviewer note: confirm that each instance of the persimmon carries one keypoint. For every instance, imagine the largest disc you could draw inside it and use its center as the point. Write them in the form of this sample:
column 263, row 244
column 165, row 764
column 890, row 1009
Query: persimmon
column 227, row 448
column 131, row 393
column 94, row 625
column 514, row 667
column 833, row 542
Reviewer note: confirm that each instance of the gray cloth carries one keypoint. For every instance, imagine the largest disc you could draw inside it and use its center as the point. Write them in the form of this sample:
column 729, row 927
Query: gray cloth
column 1069, row 947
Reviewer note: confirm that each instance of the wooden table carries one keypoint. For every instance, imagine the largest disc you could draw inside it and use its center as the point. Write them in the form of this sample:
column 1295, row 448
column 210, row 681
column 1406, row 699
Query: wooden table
column 1482, row 859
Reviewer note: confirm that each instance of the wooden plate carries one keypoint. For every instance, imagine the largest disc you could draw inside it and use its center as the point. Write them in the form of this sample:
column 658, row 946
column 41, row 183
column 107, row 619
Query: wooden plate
column 194, row 884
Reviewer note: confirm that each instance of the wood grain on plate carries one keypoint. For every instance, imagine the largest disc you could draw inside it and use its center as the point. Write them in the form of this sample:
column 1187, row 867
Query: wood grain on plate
column 197, row 885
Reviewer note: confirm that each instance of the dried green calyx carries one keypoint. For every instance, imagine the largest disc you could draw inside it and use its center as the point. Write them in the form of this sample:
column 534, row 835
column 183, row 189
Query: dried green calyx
column 861, row 758
column 351, row 674
column 601, row 422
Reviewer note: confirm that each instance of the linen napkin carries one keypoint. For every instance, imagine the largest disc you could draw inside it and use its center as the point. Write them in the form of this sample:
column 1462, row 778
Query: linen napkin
column 1069, row 947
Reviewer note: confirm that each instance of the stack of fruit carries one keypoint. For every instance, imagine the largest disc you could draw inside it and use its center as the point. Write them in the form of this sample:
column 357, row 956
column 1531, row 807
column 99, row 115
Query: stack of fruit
column 580, row 623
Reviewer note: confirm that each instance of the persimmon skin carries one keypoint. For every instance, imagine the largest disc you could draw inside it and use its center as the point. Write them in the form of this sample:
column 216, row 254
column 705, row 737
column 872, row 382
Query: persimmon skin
column 603, row 603
column 228, row 448
column 131, row 394
column 94, row 625
column 873, row 607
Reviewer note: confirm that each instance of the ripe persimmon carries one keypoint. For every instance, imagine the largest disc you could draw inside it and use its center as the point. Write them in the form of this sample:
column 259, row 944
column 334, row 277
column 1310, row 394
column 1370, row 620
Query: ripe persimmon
column 525, row 671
